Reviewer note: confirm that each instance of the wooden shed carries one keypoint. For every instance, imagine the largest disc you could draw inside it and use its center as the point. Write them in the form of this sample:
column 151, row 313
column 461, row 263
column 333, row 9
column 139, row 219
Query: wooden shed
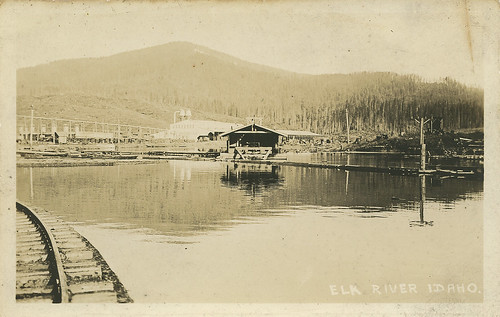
column 252, row 141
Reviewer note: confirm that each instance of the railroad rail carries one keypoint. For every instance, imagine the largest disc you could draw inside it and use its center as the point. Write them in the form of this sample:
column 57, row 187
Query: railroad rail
column 56, row 264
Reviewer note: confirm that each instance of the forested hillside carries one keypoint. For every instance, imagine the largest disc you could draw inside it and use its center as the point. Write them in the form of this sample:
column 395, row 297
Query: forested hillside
column 162, row 79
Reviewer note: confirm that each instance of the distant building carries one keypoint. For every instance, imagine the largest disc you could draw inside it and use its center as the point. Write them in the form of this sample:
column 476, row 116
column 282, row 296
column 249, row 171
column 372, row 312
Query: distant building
column 300, row 135
column 435, row 125
column 84, row 136
column 61, row 137
column 200, row 129
column 160, row 135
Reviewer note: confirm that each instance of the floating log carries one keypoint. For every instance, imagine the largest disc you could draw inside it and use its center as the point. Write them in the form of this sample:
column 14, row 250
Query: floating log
column 472, row 172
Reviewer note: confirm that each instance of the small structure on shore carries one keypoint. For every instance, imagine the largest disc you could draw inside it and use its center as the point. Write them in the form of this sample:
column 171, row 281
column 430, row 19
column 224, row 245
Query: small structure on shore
column 253, row 141
column 93, row 137
column 61, row 137
column 297, row 135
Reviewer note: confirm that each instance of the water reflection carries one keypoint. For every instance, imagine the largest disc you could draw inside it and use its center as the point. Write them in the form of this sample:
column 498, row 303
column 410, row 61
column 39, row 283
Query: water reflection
column 347, row 177
column 189, row 197
column 254, row 179
column 422, row 222
column 380, row 160
column 182, row 172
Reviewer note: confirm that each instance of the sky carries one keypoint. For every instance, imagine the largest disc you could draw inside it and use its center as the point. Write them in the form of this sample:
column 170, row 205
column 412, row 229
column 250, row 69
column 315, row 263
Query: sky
column 427, row 38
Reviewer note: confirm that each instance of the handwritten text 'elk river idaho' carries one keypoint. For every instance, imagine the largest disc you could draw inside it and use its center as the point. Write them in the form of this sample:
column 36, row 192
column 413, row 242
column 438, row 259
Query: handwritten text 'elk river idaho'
column 383, row 289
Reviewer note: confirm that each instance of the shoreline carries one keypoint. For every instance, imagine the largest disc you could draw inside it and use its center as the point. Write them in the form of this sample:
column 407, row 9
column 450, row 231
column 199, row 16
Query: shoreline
column 55, row 161
column 71, row 162
column 458, row 171
column 76, row 162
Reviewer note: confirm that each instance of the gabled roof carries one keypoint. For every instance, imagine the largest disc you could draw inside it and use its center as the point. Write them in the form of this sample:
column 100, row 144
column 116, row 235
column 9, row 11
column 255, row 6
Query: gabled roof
column 255, row 125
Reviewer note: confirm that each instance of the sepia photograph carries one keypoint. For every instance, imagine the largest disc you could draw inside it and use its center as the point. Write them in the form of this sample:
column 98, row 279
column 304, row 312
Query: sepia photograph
column 252, row 152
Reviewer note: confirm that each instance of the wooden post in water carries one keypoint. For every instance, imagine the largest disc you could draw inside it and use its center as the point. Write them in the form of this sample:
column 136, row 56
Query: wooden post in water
column 347, row 176
column 422, row 197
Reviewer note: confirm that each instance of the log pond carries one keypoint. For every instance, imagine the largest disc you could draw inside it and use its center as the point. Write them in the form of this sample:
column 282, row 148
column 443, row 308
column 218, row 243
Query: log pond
column 204, row 231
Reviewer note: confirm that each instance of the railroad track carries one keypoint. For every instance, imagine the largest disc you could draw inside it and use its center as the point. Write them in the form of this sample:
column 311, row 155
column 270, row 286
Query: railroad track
column 56, row 264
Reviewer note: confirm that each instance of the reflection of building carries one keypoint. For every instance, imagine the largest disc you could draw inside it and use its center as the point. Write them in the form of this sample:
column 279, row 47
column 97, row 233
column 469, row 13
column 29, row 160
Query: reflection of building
column 200, row 129
column 253, row 178
column 253, row 140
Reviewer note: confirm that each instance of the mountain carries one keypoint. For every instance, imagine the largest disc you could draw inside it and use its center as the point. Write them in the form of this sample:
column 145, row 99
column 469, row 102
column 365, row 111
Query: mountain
column 148, row 85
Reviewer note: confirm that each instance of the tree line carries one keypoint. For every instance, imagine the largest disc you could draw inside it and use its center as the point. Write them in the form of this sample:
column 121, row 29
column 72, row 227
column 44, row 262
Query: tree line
column 379, row 102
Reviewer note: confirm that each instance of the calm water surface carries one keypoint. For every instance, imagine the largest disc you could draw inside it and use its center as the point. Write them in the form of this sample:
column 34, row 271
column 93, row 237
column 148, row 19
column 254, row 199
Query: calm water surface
column 380, row 160
column 224, row 232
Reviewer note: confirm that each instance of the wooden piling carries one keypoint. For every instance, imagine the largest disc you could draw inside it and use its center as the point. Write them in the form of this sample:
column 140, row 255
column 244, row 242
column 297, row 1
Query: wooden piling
column 422, row 197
